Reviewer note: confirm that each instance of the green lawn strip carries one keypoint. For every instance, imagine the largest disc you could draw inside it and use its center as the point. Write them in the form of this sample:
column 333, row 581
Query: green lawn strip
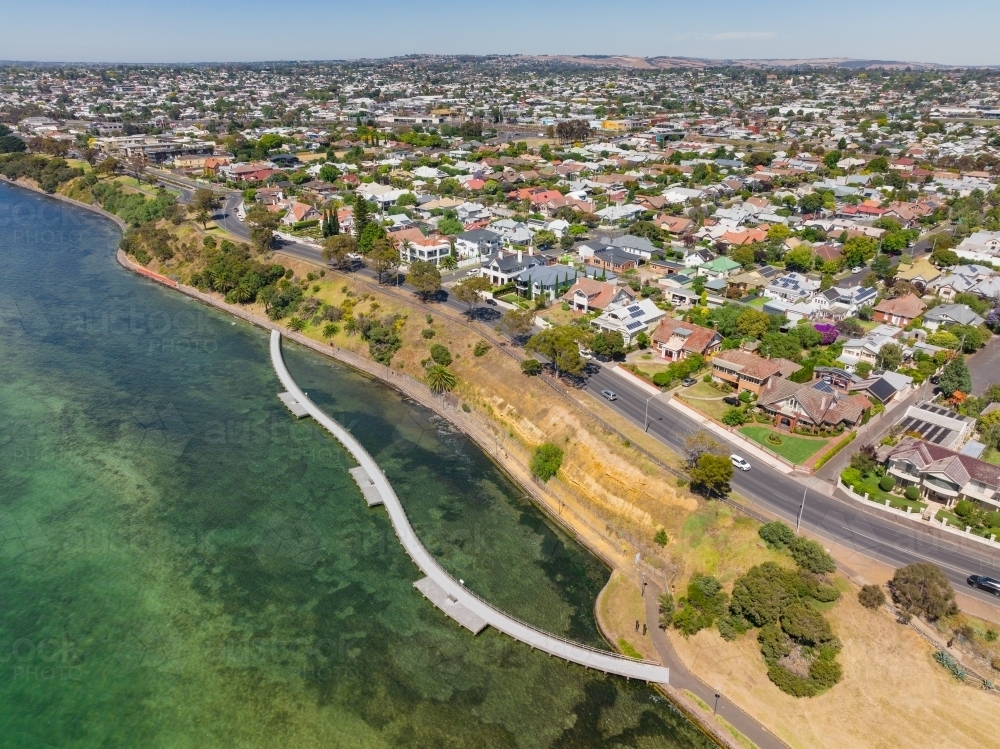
column 956, row 522
column 743, row 740
column 870, row 487
column 795, row 449
column 628, row 650
column 696, row 699
column 991, row 455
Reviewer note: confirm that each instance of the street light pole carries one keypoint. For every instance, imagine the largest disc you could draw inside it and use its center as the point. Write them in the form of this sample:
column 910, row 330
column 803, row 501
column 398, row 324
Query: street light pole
column 718, row 694
column 645, row 419
column 802, row 507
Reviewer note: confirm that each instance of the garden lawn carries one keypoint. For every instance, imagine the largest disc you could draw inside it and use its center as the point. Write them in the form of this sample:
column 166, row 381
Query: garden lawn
column 869, row 485
column 796, row 449
column 697, row 397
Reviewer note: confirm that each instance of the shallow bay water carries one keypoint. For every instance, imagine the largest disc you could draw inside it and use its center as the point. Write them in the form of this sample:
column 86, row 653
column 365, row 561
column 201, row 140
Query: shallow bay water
column 182, row 564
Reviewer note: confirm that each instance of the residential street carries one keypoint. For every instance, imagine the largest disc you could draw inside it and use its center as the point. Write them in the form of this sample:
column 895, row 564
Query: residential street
column 840, row 521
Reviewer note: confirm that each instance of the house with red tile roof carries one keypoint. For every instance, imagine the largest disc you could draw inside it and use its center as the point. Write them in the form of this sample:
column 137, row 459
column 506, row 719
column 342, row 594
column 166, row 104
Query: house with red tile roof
column 675, row 340
column 588, row 293
column 813, row 404
column 746, row 371
column 900, row 311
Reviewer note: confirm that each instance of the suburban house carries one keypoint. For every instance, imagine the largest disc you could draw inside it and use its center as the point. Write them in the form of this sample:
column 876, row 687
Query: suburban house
column 629, row 319
column 544, row 280
column 919, row 272
column 682, row 298
column 431, row 249
column 613, row 259
column 839, row 302
column 943, row 475
column 638, row 246
column 813, row 404
column 746, row 371
column 504, row 268
column 951, row 314
column 675, row 340
column 867, row 349
column 477, row 243
column 587, row 293
column 965, row 278
column 743, row 284
column 300, row 212
column 719, row 268
column 900, row 311
column 792, row 288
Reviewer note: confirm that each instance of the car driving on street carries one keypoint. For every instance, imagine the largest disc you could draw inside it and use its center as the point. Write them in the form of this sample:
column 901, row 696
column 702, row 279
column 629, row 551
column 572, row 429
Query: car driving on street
column 739, row 462
column 610, row 395
column 984, row 583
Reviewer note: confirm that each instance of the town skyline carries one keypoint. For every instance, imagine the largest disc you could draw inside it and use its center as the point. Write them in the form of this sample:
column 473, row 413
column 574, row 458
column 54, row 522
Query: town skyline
column 777, row 29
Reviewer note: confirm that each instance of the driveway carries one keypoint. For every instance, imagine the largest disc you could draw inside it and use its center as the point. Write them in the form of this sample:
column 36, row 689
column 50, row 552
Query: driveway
column 984, row 366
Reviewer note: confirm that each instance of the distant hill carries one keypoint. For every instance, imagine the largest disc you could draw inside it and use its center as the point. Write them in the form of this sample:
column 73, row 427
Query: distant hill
column 652, row 63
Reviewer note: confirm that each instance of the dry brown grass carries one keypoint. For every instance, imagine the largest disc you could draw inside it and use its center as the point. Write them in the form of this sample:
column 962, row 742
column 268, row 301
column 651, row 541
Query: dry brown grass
column 892, row 695
column 618, row 607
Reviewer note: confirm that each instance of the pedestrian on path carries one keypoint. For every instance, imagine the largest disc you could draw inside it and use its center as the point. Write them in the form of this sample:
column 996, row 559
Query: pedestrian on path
column 636, row 625
column 643, row 630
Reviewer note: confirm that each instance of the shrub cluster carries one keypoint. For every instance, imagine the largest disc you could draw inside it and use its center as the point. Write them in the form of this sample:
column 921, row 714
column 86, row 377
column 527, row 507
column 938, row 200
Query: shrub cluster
column 546, row 460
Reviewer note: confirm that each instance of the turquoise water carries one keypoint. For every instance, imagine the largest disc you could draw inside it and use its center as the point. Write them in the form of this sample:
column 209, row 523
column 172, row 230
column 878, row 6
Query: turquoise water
column 184, row 565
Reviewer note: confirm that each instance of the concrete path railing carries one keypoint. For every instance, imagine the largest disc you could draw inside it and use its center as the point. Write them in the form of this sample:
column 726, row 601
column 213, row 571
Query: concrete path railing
column 456, row 595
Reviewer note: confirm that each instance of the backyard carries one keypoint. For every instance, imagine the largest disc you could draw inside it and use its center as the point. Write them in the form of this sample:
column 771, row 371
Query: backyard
column 793, row 448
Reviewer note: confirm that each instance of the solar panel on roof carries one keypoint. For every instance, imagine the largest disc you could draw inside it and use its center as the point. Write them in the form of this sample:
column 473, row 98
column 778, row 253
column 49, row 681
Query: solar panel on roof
column 822, row 387
column 634, row 308
column 637, row 313
column 633, row 325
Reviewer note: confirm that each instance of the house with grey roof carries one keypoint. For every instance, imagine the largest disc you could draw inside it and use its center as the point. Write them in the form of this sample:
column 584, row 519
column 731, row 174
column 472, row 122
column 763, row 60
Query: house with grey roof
column 792, row 288
column 951, row 314
column 942, row 474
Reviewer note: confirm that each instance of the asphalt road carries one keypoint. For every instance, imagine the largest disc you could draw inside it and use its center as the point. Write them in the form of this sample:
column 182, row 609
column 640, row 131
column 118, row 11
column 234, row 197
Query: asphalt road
column 919, row 248
column 836, row 520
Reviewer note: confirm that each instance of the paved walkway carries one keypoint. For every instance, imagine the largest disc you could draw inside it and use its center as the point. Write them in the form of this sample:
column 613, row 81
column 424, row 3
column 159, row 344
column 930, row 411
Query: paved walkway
column 681, row 678
column 441, row 588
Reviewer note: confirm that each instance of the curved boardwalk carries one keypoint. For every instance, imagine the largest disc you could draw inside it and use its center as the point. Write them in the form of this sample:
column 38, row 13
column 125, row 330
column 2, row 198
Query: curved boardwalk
column 441, row 588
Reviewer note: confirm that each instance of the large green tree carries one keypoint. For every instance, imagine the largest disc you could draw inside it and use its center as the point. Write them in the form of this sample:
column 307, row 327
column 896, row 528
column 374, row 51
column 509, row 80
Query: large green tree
column 712, row 474
column 561, row 346
column 955, row 377
column 470, row 290
column 425, row 277
column 383, row 258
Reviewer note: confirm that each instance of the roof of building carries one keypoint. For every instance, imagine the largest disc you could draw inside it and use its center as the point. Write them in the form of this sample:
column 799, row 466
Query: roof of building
column 904, row 306
column 931, row 457
column 749, row 365
column 599, row 294
column 696, row 338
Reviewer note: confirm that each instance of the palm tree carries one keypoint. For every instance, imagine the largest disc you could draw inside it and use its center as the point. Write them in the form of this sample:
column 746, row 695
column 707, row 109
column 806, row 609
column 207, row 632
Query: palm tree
column 243, row 294
column 203, row 218
column 440, row 380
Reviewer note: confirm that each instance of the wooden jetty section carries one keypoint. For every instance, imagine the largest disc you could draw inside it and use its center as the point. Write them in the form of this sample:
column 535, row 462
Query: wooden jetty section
column 440, row 588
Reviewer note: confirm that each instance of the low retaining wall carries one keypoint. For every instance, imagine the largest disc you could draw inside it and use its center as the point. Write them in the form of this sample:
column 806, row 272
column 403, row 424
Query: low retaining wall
column 931, row 526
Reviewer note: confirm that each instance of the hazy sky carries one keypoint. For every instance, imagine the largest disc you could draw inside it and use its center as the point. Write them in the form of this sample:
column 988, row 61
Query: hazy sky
column 962, row 32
